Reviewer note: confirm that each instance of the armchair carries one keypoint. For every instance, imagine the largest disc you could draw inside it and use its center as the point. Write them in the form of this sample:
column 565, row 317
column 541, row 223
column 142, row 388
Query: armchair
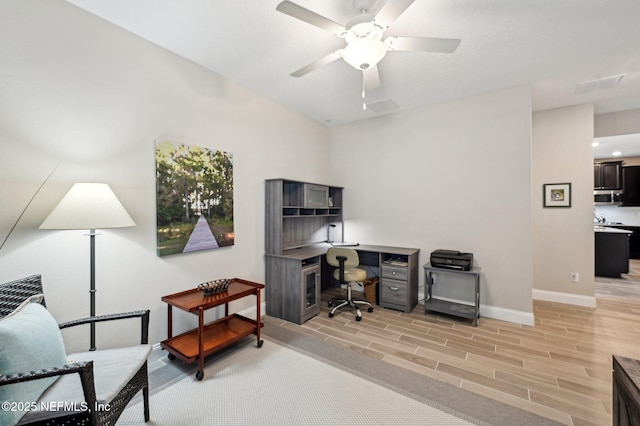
column 44, row 385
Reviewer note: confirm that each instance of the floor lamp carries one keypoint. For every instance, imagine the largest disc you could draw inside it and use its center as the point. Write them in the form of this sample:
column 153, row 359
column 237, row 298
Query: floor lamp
column 89, row 206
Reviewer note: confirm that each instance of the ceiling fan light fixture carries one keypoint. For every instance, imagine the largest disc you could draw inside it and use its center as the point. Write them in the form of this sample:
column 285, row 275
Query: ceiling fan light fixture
column 363, row 53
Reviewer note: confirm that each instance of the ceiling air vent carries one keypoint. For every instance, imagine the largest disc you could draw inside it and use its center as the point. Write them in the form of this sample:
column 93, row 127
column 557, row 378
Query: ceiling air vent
column 599, row 84
column 384, row 105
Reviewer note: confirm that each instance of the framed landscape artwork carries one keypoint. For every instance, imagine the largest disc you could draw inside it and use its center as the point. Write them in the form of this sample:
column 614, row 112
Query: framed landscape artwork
column 557, row 194
column 194, row 198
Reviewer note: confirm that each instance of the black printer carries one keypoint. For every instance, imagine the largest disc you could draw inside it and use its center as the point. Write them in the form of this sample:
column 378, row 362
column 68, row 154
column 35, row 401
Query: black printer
column 452, row 259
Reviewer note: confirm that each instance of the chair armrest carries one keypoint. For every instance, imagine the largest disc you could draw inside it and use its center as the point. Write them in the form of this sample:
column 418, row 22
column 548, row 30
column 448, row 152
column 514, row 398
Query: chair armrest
column 76, row 367
column 143, row 315
column 83, row 368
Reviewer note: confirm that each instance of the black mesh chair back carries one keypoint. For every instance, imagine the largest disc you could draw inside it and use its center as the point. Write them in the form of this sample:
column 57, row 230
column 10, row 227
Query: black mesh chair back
column 13, row 293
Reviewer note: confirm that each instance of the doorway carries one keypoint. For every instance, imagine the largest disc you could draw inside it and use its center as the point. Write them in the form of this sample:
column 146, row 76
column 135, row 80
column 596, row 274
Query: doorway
column 627, row 286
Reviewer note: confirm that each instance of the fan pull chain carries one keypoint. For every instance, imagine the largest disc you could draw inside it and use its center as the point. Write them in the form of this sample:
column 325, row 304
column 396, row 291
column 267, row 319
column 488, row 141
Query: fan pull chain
column 364, row 90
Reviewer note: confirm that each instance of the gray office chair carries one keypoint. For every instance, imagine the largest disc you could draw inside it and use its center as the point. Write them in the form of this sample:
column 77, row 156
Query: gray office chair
column 346, row 261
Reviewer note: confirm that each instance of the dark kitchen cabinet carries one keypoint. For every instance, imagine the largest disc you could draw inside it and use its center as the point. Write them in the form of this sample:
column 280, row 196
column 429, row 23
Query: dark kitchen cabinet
column 611, row 254
column 634, row 244
column 607, row 175
column 631, row 185
column 634, row 241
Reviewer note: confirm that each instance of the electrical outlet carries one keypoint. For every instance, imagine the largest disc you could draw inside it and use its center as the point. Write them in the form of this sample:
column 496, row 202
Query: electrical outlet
column 575, row 277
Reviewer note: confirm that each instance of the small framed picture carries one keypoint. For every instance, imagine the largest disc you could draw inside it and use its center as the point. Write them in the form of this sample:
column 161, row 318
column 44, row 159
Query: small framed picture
column 557, row 194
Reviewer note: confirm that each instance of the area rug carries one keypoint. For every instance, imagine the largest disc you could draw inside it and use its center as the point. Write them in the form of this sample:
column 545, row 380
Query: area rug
column 296, row 379
column 276, row 385
column 444, row 396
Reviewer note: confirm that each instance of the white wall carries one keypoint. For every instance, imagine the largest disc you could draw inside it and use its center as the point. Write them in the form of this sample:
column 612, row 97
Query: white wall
column 79, row 92
column 454, row 176
column 617, row 123
column 563, row 238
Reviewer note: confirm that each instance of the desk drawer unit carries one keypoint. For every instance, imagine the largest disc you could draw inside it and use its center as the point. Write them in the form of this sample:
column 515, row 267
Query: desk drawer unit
column 393, row 292
column 394, row 272
column 398, row 281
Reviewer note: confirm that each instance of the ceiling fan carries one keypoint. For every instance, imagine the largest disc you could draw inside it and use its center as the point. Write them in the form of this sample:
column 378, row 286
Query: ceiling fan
column 363, row 34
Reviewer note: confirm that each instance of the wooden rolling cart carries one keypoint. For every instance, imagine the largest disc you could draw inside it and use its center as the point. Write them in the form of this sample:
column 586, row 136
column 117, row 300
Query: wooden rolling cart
column 197, row 344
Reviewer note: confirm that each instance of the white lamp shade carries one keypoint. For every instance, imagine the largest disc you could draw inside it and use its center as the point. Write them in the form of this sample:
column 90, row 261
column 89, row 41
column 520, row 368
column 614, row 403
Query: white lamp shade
column 88, row 206
column 363, row 53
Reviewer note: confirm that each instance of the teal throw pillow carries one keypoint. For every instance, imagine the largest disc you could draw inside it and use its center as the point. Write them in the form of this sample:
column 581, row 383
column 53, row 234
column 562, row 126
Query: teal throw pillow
column 31, row 340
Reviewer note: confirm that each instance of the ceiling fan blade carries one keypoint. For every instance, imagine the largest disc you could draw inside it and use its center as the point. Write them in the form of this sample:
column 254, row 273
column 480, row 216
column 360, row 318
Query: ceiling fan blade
column 309, row 17
column 317, row 64
column 391, row 11
column 423, row 44
column 371, row 78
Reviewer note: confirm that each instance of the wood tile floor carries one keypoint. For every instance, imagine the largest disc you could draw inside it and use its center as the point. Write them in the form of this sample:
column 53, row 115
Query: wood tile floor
column 560, row 368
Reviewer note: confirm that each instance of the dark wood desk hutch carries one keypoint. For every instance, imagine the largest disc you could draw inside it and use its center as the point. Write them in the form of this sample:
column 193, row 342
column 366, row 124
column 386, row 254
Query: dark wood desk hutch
column 300, row 218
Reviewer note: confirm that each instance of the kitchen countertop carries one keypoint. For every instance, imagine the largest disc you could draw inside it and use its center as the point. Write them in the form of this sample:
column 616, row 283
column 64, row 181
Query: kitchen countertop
column 608, row 229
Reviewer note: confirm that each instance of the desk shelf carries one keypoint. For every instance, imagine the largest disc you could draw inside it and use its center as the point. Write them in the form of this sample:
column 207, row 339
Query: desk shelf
column 294, row 212
column 289, row 223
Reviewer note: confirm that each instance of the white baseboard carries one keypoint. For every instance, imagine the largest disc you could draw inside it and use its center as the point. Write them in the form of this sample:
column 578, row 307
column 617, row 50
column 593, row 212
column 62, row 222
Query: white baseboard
column 518, row 317
column 527, row 318
column 566, row 298
column 251, row 312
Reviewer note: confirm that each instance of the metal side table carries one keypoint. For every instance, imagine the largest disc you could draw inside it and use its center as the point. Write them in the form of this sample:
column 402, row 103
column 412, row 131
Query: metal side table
column 469, row 309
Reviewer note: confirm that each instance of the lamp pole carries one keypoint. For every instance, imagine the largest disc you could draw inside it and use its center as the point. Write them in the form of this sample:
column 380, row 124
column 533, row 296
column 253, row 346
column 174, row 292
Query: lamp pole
column 89, row 206
column 92, row 287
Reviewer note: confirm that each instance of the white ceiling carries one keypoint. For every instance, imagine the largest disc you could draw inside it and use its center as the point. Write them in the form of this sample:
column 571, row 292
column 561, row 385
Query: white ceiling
column 626, row 145
column 550, row 45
